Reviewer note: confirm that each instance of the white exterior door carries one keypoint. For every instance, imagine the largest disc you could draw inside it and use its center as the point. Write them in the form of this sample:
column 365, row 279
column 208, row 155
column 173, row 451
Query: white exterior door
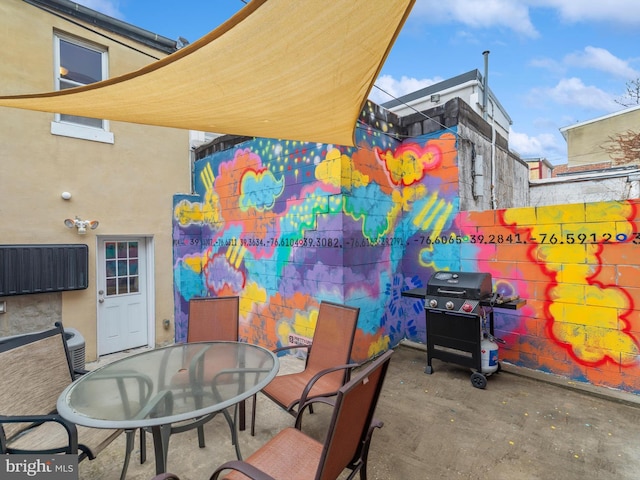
column 123, row 311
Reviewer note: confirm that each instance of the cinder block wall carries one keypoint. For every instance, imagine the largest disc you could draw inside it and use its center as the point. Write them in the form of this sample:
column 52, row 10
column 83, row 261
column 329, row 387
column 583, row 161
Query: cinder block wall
column 286, row 225
column 578, row 268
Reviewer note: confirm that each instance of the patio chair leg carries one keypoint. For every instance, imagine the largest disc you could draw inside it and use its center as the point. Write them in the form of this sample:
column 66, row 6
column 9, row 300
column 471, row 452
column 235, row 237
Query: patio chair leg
column 201, row 436
column 143, row 446
column 130, row 440
column 363, row 472
column 253, row 416
column 232, row 428
column 242, row 425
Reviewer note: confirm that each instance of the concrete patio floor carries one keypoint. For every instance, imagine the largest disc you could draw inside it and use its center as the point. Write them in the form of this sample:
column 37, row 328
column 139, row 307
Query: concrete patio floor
column 522, row 426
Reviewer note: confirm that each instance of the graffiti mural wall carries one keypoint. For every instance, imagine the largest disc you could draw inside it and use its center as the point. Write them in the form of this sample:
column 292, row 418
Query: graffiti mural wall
column 285, row 225
column 578, row 268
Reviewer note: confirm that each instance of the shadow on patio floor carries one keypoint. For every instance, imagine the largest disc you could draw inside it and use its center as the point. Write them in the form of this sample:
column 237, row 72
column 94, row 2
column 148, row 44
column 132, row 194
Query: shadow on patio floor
column 440, row 427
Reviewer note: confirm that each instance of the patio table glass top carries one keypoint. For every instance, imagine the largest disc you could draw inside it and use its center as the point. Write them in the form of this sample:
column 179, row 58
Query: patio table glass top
column 168, row 385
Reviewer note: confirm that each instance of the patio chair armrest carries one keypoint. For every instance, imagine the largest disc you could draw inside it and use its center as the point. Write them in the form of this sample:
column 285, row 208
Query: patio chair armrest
column 72, row 431
column 124, row 373
column 361, row 459
column 290, row 347
column 163, row 397
column 242, row 467
column 196, row 366
column 145, row 385
column 232, row 371
column 301, row 408
column 279, row 350
column 375, row 423
column 319, row 375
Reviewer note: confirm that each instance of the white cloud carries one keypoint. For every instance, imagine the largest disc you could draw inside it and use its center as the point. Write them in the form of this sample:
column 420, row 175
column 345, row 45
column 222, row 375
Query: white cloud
column 545, row 145
column 548, row 64
column 624, row 12
column 573, row 92
column 390, row 88
column 603, row 60
column 510, row 14
column 515, row 14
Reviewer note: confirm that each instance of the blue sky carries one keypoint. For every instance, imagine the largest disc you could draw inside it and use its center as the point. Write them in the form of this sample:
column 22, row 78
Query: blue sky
column 552, row 63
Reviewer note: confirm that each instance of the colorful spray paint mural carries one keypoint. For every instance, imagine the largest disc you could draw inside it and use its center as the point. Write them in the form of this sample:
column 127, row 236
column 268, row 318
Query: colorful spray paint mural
column 285, row 225
column 577, row 266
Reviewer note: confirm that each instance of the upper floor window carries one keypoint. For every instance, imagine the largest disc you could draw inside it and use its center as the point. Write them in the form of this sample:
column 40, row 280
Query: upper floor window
column 79, row 63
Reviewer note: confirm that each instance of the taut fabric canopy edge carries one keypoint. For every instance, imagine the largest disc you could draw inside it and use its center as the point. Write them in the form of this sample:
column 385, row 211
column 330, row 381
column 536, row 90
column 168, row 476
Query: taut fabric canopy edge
column 277, row 69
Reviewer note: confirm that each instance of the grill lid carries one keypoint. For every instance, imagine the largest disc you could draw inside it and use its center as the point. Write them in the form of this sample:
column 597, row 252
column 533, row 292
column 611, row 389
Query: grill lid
column 469, row 285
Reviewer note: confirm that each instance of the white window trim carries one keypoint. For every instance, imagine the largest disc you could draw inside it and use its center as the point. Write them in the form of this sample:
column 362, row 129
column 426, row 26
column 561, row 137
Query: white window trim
column 73, row 130
column 82, row 132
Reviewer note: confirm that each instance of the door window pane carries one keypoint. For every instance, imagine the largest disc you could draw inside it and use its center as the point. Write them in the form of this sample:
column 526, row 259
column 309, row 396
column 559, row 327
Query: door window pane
column 133, row 284
column 122, row 268
column 110, row 250
column 111, row 286
column 110, row 268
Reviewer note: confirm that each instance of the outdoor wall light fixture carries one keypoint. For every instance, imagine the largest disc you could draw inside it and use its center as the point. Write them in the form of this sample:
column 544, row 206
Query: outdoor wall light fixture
column 81, row 225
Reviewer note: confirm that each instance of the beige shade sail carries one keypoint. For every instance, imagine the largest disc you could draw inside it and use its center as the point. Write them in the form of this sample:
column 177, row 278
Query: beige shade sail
column 296, row 70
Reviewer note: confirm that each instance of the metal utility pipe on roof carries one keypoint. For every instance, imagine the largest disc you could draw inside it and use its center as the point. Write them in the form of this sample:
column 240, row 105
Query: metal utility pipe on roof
column 485, row 115
column 485, row 83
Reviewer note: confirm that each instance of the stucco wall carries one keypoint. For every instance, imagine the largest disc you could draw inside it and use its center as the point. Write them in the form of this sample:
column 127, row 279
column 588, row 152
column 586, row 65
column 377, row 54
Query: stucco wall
column 127, row 186
column 587, row 142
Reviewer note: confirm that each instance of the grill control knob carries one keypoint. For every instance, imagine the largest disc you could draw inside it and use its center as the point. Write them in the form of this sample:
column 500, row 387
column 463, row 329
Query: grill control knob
column 449, row 305
column 467, row 307
column 433, row 303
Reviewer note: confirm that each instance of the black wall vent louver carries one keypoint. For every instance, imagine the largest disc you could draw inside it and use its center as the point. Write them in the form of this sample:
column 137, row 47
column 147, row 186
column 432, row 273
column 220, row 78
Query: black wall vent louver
column 43, row 268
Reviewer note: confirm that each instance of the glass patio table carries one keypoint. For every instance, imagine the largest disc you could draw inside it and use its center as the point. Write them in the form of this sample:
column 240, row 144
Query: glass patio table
column 177, row 384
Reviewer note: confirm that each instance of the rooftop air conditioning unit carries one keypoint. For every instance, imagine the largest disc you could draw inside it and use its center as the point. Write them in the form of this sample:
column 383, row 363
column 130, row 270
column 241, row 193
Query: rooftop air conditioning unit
column 76, row 346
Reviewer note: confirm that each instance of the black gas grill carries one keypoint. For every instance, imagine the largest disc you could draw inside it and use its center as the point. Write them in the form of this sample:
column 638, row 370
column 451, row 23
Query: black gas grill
column 458, row 291
column 456, row 319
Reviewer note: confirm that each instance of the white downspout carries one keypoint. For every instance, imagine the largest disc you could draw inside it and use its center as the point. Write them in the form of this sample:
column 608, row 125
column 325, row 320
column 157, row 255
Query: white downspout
column 493, row 159
column 485, row 95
